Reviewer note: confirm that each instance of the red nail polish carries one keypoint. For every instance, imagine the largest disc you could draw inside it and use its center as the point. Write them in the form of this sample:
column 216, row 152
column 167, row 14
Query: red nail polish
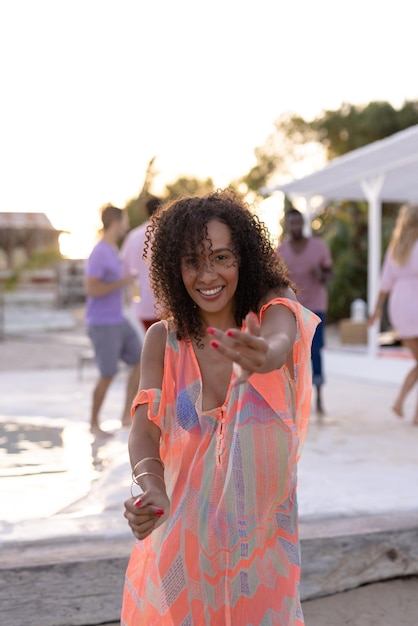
column 159, row 512
column 210, row 330
column 138, row 502
column 214, row 344
column 230, row 333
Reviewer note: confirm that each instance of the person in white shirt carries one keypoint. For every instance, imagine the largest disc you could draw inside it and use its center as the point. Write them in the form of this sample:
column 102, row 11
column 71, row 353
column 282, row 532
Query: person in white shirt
column 143, row 302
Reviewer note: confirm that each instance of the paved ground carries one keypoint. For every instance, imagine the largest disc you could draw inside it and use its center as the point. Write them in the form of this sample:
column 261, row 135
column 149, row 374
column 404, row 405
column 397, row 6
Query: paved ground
column 360, row 459
column 386, row 604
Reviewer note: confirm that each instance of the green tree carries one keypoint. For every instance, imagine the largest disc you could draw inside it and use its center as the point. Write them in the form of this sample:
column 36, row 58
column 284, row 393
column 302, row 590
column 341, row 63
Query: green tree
column 267, row 163
column 344, row 227
column 136, row 206
column 187, row 186
column 349, row 127
column 182, row 186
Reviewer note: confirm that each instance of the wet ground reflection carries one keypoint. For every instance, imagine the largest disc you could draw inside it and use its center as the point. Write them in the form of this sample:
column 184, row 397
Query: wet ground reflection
column 28, row 447
column 45, row 466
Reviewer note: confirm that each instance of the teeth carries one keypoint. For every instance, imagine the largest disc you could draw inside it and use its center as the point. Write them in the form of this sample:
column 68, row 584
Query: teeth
column 210, row 292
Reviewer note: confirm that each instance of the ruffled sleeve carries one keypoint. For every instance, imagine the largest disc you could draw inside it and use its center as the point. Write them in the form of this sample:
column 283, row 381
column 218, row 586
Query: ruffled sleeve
column 155, row 398
column 277, row 387
column 152, row 397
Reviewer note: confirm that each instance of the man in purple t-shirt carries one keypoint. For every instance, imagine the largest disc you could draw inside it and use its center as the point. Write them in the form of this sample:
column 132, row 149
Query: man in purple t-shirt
column 309, row 262
column 112, row 335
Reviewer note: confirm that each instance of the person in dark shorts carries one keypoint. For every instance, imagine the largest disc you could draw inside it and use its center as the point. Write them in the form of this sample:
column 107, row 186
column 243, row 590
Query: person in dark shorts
column 112, row 335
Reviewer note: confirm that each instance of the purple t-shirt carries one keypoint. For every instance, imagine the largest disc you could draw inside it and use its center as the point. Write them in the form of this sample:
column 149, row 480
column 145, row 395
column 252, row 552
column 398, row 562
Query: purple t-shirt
column 104, row 263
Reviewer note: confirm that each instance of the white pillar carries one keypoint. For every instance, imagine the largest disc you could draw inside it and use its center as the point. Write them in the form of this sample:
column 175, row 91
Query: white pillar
column 372, row 188
column 309, row 214
column 306, row 211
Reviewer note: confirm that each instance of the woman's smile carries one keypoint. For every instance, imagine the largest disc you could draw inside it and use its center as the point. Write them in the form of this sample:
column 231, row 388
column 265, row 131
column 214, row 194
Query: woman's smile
column 210, row 293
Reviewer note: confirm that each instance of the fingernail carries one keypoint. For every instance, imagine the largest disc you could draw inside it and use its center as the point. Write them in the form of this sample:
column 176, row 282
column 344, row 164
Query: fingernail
column 230, row 333
column 210, row 330
column 214, row 344
column 159, row 512
column 138, row 502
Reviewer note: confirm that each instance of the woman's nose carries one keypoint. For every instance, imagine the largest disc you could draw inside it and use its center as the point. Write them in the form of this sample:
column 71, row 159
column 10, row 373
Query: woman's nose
column 206, row 270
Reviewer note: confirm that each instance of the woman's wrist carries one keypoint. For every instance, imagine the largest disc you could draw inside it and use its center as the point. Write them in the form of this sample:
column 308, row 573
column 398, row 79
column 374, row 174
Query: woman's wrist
column 148, row 472
column 147, row 481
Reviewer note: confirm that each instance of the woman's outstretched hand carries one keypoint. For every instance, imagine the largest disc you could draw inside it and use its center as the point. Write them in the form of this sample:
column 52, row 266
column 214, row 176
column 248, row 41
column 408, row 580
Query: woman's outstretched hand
column 246, row 349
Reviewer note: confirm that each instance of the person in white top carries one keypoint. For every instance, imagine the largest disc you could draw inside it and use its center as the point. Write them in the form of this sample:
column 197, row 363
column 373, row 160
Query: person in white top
column 399, row 283
column 143, row 302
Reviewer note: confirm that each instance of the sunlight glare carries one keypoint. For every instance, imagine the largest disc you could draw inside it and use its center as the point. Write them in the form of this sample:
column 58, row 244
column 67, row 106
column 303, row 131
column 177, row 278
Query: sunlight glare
column 270, row 211
column 77, row 244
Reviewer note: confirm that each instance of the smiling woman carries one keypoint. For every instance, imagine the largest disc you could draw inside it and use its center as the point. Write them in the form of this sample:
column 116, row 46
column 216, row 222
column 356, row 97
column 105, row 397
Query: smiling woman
column 212, row 448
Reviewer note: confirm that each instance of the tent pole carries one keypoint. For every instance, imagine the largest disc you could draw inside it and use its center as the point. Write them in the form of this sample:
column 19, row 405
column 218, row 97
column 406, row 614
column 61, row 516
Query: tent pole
column 372, row 188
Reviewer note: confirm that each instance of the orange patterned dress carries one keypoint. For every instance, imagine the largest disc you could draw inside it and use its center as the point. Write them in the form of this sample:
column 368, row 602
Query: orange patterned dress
column 229, row 553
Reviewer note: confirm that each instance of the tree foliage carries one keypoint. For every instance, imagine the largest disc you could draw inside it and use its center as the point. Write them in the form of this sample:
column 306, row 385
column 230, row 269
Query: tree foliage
column 136, row 206
column 267, row 162
column 353, row 127
column 182, row 186
column 187, row 186
column 349, row 127
column 344, row 227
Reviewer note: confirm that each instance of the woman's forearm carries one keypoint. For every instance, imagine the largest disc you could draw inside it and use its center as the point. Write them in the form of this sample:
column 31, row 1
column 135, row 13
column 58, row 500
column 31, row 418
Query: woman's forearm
column 96, row 288
column 379, row 304
column 277, row 354
column 144, row 454
column 142, row 447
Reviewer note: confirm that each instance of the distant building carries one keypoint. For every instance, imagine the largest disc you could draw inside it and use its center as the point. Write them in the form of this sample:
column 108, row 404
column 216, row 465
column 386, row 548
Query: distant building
column 21, row 234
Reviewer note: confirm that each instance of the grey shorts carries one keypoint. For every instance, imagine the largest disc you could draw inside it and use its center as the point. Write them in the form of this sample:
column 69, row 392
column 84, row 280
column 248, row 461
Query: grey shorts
column 113, row 343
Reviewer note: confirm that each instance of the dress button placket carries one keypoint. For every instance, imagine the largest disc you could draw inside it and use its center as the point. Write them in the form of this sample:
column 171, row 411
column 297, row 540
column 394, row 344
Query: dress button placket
column 220, row 435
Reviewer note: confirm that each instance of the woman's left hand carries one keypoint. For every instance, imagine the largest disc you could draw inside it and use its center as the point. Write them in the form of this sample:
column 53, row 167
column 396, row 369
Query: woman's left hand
column 247, row 349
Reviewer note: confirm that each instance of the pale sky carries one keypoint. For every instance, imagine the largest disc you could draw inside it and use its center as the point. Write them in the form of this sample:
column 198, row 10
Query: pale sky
column 92, row 89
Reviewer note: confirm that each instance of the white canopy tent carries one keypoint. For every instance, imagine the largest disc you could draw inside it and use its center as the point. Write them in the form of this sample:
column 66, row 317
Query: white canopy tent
column 384, row 171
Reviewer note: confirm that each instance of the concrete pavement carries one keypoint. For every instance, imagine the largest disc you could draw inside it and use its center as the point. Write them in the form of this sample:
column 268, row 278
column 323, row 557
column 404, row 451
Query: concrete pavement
column 358, row 475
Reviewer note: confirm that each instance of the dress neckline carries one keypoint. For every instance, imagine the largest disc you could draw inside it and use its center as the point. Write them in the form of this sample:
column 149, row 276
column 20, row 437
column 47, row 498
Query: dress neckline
column 199, row 401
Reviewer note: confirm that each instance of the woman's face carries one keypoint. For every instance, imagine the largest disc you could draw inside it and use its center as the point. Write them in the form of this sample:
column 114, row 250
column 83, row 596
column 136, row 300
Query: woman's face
column 211, row 275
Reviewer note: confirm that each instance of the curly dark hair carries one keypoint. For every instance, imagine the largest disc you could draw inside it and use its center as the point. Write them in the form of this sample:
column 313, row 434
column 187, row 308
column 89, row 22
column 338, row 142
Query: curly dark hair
column 180, row 224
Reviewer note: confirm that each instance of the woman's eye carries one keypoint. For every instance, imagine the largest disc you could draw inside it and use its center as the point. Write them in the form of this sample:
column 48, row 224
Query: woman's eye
column 226, row 258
